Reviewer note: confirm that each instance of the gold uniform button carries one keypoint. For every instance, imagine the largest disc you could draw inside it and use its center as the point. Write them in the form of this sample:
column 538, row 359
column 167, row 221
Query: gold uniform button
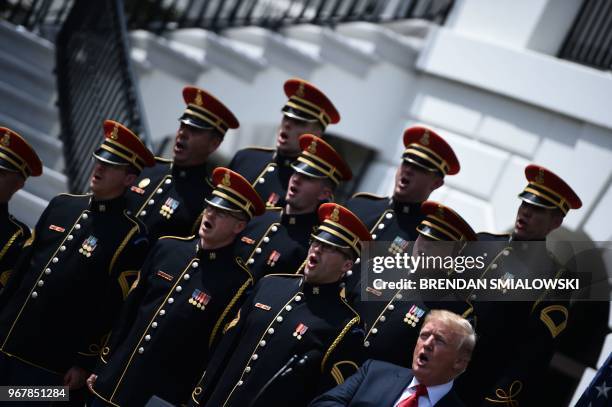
column 374, row 237
column 391, row 307
column 147, row 338
column 389, row 215
column 383, row 318
column 298, row 298
column 279, row 319
column 55, row 260
column 85, row 216
column 34, row 295
column 186, row 277
column 168, row 181
column 162, row 313
column 274, row 228
column 262, row 343
column 381, row 226
column 261, row 180
column 151, row 202
column 62, row 248
column 254, row 357
column 159, row 191
column 143, row 213
column 374, row 331
column 366, row 344
column 154, row 325
column 47, row 271
column 40, row 283
column 141, row 350
column 288, row 308
column 170, row 300
column 70, row 237
column 195, row 264
column 258, row 250
column 178, row 289
column 77, row 226
column 266, row 239
column 270, row 331
column 247, row 369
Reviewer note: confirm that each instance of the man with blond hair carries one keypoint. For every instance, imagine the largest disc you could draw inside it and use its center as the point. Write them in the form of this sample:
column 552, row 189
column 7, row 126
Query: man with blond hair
column 442, row 353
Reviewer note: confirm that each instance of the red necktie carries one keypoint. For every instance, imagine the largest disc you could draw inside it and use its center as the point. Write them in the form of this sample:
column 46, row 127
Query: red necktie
column 413, row 399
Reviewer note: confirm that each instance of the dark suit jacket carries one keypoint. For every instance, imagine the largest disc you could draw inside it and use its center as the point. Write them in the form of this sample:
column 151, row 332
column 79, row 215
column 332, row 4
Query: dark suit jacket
column 376, row 384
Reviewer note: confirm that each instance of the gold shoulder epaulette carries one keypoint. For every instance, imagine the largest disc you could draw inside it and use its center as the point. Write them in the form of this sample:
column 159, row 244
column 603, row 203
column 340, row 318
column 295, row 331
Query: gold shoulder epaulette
column 367, row 195
column 163, row 160
column 260, row 148
column 177, row 237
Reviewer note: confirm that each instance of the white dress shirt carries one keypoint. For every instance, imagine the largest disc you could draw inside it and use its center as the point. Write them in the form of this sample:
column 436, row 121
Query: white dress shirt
column 434, row 393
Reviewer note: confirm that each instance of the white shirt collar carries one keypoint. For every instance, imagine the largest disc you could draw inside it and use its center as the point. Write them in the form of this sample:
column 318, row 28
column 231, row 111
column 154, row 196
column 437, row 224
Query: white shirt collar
column 434, row 393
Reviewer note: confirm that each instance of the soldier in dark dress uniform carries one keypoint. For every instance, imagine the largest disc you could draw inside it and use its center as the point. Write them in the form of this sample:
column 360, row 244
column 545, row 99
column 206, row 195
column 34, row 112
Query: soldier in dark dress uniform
column 517, row 338
column 169, row 198
column 279, row 239
column 426, row 160
column 18, row 161
column 399, row 320
column 292, row 325
column 186, row 291
column 68, row 288
column 308, row 110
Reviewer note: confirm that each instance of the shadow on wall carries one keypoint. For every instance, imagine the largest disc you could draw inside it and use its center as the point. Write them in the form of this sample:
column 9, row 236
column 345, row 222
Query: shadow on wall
column 581, row 343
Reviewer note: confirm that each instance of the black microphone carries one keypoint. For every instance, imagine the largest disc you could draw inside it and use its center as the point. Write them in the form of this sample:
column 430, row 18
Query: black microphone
column 280, row 371
column 287, row 369
column 310, row 355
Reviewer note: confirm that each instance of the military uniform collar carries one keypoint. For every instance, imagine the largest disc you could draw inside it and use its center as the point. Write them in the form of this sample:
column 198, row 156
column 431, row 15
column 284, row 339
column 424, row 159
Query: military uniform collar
column 214, row 254
column 405, row 208
column 304, row 219
column 329, row 290
column 197, row 171
column 105, row 206
column 530, row 248
column 283, row 160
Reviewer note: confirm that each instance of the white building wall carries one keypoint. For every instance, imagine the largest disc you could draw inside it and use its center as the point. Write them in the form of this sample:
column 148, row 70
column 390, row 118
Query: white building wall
column 488, row 81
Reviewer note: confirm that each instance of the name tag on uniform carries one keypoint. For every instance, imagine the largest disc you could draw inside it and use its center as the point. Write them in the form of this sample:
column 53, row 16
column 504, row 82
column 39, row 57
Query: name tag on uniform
column 165, row 276
column 374, row 291
column 57, row 228
column 140, row 191
column 263, row 306
column 247, row 240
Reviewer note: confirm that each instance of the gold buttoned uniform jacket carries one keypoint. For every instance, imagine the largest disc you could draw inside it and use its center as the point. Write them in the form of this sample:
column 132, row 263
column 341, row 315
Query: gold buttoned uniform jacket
column 68, row 288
